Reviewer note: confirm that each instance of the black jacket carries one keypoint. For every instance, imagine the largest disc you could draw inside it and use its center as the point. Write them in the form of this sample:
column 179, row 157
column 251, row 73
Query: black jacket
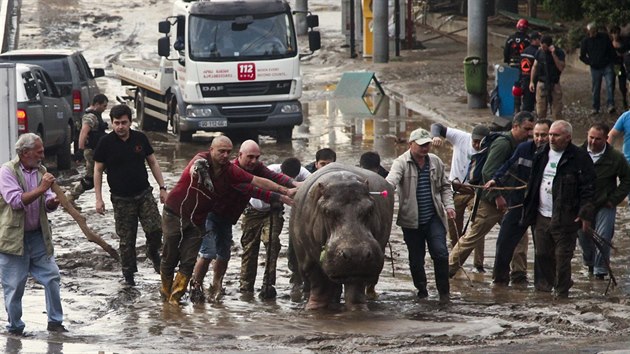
column 597, row 52
column 573, row 189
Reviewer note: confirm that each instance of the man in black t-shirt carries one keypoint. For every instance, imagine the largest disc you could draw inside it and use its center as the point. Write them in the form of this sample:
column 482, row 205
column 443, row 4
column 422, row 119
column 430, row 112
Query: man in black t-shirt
column 123, row 153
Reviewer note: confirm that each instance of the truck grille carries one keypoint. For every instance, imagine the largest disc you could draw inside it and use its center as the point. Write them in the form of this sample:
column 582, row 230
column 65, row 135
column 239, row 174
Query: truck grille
column 260, row 110
column 246, row 89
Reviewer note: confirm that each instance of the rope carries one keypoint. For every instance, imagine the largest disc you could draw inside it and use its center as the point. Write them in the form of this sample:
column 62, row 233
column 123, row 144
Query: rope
column 600, row 242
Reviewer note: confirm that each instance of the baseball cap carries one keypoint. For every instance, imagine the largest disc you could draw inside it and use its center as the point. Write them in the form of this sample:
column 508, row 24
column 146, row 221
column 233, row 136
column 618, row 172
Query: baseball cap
column 535, row 35
column 420, row 136
column 479, row 132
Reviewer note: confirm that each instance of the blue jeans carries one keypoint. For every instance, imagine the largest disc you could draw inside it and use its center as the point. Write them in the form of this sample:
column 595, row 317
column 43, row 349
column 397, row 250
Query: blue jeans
column 43, row 268
column 433, row 234
column 605, row 227
column 217, row 241
column 608, row 75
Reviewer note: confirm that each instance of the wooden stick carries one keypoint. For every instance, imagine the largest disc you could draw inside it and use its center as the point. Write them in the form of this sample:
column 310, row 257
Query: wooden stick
column 80, row 219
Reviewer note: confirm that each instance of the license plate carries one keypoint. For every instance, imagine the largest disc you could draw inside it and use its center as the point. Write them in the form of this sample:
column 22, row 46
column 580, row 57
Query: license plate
column 217, row 123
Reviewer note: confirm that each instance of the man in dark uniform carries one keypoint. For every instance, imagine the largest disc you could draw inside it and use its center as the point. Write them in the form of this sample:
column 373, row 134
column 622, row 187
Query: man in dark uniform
column 123, row 153
column 92, row 130
column 516, row 43
column 514, row 46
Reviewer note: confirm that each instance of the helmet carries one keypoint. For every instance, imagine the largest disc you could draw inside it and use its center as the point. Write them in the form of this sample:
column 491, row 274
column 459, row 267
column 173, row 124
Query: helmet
column 522, row 24
column 517, row 91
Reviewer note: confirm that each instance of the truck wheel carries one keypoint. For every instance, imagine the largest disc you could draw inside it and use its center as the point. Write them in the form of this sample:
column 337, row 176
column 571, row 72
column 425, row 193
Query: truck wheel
column 284, row 135
column 145, row 121
column 182, row 137
column 64, row 156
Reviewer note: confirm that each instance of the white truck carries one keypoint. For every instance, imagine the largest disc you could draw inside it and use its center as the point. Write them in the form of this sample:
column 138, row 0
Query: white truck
column 235, row 67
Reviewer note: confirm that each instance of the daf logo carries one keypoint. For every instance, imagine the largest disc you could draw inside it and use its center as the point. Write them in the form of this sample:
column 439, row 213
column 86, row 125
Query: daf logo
column 214, row 88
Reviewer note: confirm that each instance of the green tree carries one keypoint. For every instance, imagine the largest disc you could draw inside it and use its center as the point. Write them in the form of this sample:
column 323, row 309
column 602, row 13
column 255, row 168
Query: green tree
column 566, row 9
column 607, row 12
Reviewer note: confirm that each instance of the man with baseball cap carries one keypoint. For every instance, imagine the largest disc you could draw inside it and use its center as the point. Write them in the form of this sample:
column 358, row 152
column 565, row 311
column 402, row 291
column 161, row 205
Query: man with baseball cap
column 425, row 201
column 464, row 145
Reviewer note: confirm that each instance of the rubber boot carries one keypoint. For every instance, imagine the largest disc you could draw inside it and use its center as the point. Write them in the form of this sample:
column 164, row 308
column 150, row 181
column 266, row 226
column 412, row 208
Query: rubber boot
column 216, row 289
column 167, row 286
column 179, row 288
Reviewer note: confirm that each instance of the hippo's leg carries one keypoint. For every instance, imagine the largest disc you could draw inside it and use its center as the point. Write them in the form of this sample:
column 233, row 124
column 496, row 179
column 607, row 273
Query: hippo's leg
column 355, row 296
column 321, row 290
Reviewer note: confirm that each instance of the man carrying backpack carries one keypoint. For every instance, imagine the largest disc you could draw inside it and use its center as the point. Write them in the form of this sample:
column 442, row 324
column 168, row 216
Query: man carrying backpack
column 491, row 204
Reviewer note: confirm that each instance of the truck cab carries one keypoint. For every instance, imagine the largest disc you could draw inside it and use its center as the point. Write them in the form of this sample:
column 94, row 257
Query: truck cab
column 235, row 66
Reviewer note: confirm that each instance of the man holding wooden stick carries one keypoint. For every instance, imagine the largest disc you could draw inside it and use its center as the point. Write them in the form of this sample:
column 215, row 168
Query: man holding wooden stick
column 25, row 234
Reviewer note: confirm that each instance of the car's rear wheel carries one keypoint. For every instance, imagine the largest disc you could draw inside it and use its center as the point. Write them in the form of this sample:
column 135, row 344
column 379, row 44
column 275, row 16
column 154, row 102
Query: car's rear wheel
column 64, row 156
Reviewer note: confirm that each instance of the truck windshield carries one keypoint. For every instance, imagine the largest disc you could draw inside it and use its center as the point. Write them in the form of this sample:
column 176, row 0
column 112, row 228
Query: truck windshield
column 226, row 38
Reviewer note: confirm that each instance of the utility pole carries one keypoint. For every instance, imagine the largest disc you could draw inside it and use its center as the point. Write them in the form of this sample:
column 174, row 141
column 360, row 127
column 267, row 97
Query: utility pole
column 381, row 38
column 478, row 46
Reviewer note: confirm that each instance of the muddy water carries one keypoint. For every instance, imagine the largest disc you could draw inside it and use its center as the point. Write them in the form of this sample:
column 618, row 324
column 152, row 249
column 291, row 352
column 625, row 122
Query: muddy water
column 104, row 315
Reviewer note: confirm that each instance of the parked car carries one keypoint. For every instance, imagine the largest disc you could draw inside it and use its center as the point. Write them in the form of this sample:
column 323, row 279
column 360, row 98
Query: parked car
column 70, row 72
column 42, row 110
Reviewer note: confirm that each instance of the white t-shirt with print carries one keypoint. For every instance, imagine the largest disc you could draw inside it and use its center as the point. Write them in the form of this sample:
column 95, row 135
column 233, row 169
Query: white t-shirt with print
column 545, row 207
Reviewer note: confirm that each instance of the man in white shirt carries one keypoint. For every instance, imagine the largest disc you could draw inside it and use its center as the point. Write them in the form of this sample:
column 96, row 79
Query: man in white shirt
column 559, row 201
column 262, row 221
column 464, row 146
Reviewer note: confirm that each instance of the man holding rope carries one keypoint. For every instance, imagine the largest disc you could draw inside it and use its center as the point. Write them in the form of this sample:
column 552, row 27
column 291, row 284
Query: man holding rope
column 464, row 145
column 512, row 241
column 492, row 205
column 263, row 222
column 207, row 181
column 558, row 202
column 610, row 167
column 217, row 242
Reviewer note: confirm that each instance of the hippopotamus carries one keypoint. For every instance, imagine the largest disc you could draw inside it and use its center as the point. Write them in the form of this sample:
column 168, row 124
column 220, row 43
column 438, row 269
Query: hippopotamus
column 340, row 224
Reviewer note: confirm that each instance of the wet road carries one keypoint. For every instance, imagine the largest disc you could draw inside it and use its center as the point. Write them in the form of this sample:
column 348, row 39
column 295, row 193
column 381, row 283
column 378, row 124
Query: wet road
column 104, row 315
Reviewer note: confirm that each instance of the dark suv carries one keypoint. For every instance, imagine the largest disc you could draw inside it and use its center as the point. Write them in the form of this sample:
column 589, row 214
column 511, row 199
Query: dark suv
column 42, row 110
column 70, row 72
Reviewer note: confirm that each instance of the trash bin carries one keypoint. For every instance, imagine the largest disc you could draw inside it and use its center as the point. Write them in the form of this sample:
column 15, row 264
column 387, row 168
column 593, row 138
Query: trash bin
column 475, row 75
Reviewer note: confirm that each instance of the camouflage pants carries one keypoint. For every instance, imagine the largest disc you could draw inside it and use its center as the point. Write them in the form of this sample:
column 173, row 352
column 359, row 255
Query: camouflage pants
column 87, row 182
column 258, row 226
column 182, row 240
column 127, row 213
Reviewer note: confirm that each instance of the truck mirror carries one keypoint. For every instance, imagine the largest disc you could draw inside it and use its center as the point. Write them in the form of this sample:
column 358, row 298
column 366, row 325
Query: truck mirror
column 99, row 72
column 314, row 41
column 164, row 47
column 312, row 21
column 164, row 27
